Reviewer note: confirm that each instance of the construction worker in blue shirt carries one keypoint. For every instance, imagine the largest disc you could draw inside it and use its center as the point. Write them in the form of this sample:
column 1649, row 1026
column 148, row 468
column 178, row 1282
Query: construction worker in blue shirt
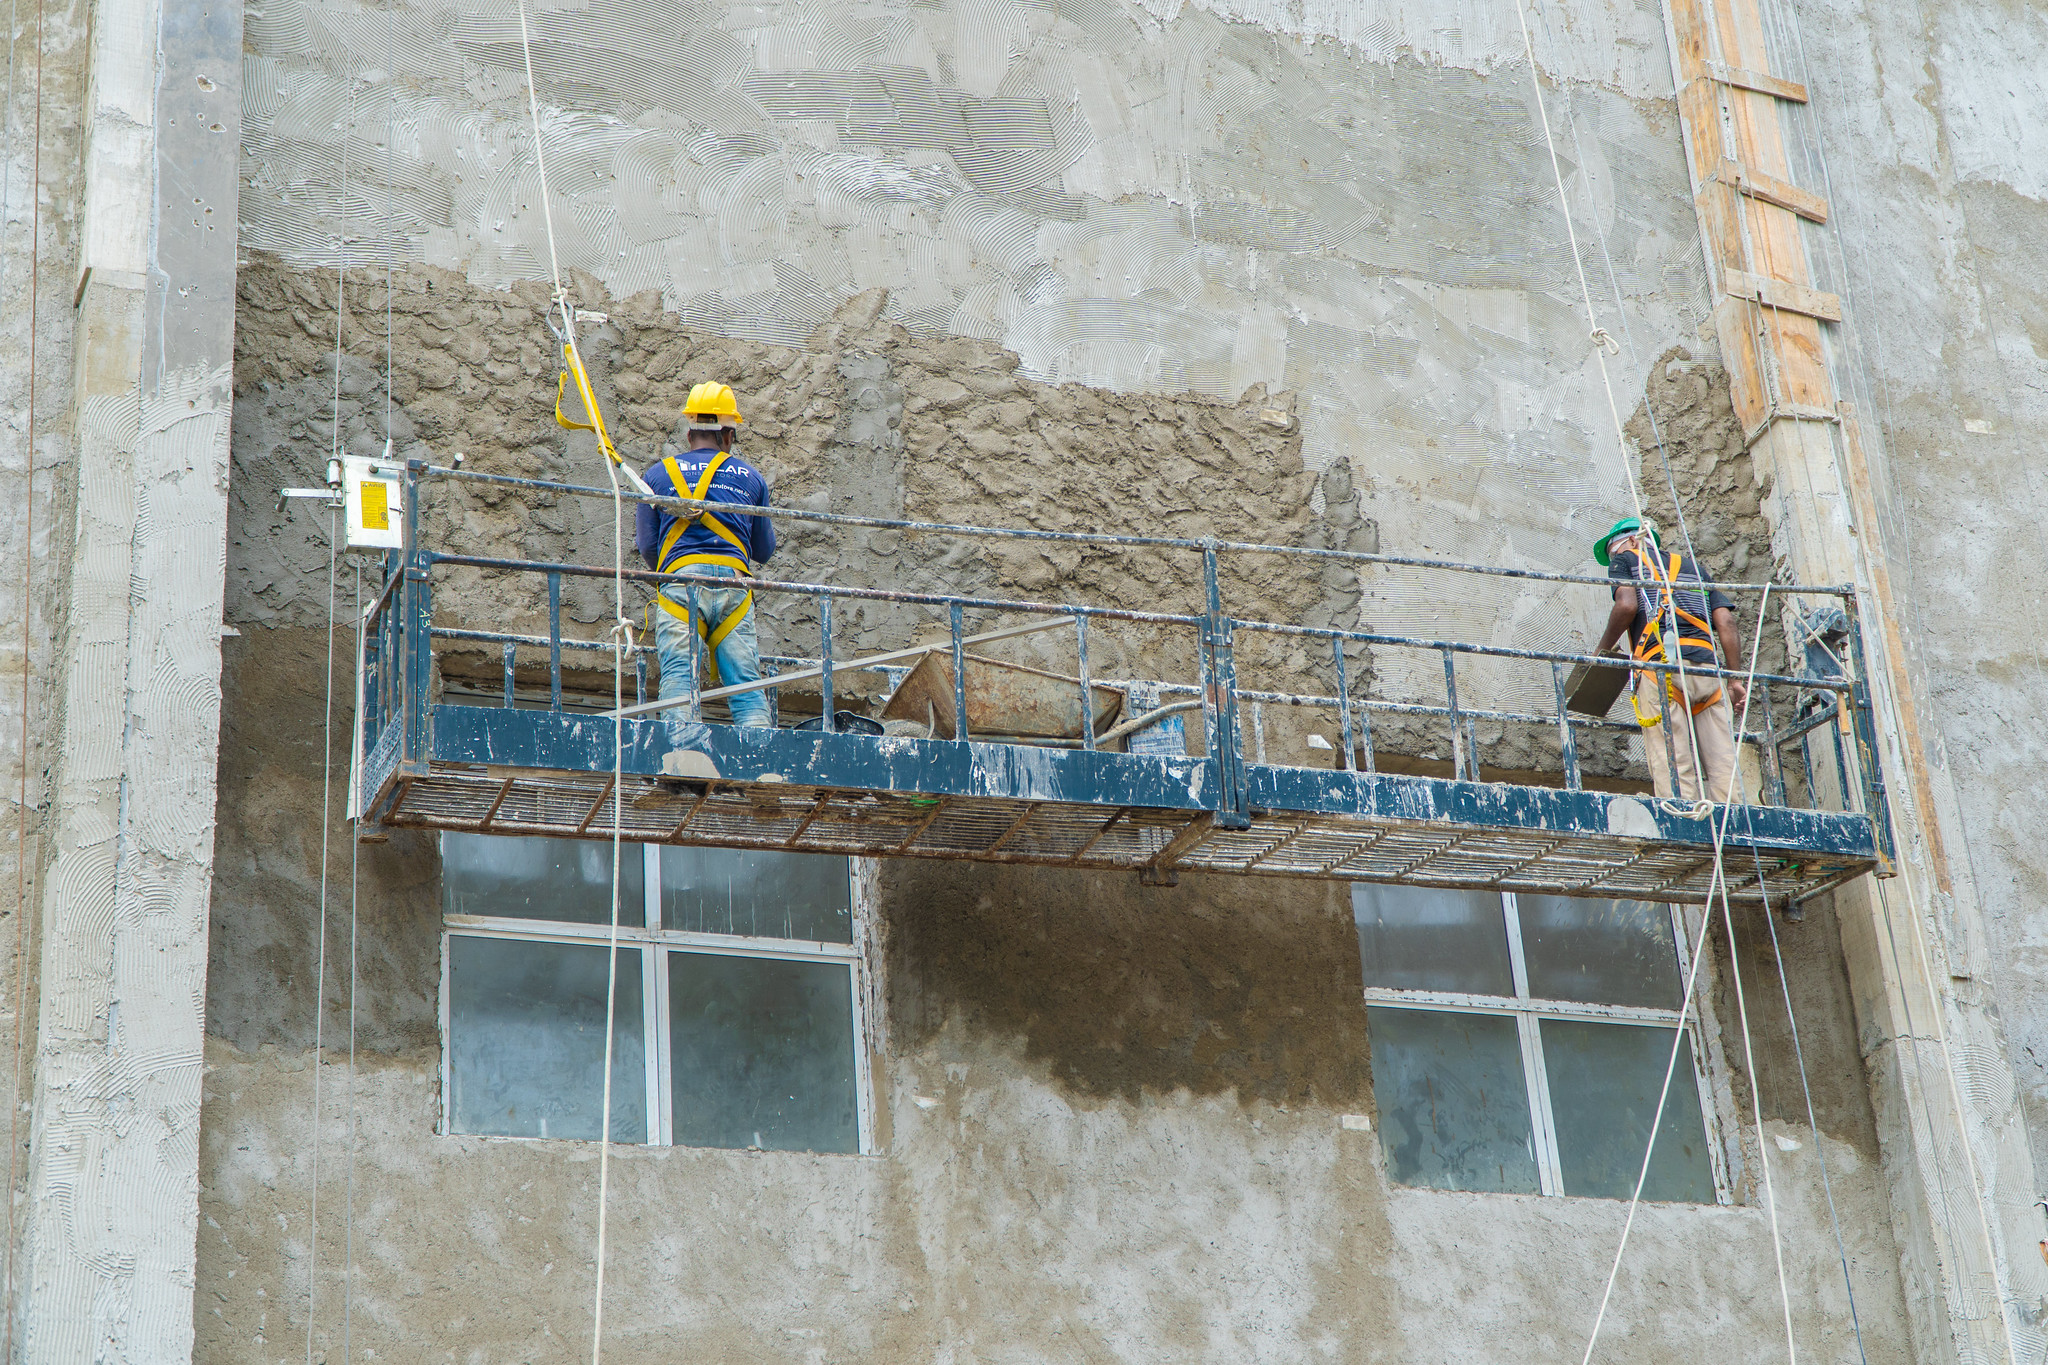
column 712, row 544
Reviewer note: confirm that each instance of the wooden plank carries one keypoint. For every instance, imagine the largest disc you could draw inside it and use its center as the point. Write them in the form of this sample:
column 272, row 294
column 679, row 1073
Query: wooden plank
column 1758, row 81
column 1772, row 190
column 1741, row 353
column 1782, row 294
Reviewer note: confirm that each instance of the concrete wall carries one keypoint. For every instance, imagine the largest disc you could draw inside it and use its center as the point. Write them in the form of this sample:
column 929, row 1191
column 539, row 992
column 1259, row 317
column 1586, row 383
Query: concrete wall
column 1165, row 199
column 1112, row 1122
column 1033, row 265
column 1933, row 126
column 1037, row 263
column 35, row 543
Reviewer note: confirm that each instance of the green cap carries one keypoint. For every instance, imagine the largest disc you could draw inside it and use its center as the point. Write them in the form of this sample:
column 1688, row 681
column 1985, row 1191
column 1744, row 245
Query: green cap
column 1626, row 526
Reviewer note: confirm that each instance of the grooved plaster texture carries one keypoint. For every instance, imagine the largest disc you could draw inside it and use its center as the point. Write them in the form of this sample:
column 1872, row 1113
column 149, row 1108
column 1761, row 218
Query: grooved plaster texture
column 106, row 1256
column 34, row 520
column 1131, row 198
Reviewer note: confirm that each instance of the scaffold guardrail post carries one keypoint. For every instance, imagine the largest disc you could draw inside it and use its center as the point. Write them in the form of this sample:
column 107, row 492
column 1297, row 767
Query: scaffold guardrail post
column 418, row 609
column 1234, row 807
column 1876, row 801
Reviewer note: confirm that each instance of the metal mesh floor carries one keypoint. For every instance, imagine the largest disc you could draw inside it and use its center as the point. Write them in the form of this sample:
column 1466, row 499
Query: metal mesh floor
column 1281, row 844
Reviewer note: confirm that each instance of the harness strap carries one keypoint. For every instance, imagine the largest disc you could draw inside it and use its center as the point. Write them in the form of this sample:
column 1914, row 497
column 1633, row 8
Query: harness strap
column 714, row 635
column 681, row 524
column 1651, row 648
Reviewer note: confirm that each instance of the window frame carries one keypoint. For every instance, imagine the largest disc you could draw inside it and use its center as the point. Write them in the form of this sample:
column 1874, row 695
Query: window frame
column 1528, row 1012
column 653, row 944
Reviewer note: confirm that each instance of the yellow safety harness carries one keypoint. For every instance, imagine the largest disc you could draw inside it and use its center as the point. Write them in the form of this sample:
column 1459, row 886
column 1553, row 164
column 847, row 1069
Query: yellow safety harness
column 1653, row 648
column 572, row 367
column 671, row 562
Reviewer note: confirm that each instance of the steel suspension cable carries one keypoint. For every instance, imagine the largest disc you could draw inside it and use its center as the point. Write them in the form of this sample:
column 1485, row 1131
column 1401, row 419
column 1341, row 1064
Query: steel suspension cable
column 1818, row 150
column 1628, row 331
column 1718, row 881
column 1812, row 1121
column 621, row 642
column 1602, row 342
column 355, row 851
column 334, row 452
column 1976, row 1182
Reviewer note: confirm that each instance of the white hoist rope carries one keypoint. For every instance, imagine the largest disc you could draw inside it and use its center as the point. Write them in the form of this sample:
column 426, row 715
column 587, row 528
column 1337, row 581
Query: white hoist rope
column 1770, row 923
column 1603, row 343
column 622, row 638
column 1820, row 1154
column 1720, row 882
column 320, row 970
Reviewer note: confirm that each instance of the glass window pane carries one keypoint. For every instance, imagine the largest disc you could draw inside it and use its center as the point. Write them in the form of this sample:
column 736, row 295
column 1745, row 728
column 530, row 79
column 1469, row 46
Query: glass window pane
column 1453, row 1103
column 762, row 1053
column 745, row 891
column 1603, row 1086
column 558, row 879
column 526, row 1040
column 1412, row 938
column 1604, row 952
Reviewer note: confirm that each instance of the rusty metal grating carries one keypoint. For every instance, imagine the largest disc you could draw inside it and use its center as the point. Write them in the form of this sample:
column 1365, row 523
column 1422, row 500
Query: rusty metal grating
column 986, row 829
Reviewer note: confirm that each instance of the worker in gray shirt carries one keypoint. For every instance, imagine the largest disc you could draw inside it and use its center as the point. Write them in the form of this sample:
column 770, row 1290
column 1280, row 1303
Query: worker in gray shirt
column 1653, row 603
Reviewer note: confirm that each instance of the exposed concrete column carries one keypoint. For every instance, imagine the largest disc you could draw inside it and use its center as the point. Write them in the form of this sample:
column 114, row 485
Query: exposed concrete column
column 107, row 1250
column 1955, row 1151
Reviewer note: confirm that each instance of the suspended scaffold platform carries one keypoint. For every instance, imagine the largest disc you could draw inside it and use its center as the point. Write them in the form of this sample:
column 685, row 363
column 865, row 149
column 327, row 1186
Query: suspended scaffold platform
column 1149, row 795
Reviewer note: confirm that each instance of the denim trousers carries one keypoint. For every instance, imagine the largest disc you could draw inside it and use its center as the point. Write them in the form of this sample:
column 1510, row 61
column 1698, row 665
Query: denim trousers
column 738, row 655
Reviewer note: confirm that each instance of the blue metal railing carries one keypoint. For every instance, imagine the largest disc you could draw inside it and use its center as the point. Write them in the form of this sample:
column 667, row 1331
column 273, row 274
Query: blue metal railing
column 400, row 633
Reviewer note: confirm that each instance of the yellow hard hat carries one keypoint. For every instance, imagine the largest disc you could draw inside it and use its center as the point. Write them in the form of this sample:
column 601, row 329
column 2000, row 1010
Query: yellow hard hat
column 712, row 405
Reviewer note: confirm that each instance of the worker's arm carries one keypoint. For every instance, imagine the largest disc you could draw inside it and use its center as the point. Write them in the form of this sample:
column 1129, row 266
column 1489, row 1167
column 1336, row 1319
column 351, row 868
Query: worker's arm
column 1731, row 651
column 1619, row 618
column 761, row 542
column 645, row 525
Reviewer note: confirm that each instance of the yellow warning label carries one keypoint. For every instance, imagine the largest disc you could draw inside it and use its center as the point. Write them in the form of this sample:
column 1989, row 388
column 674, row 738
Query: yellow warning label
column 376, row 506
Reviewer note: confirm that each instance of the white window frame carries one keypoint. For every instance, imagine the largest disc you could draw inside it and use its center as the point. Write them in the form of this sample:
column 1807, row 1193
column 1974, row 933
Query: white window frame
column 645, row 933
column 1527, row 1011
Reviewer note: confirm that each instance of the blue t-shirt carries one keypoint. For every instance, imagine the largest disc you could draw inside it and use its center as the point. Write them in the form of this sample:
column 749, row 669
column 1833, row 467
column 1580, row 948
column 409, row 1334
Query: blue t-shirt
column 735, row 482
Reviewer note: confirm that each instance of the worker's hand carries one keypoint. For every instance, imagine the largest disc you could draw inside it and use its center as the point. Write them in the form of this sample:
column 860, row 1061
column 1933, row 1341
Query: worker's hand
column 1738, row 694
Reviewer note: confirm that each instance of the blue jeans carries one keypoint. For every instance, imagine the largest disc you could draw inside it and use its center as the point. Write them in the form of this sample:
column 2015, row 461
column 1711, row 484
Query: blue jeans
column 738, row 655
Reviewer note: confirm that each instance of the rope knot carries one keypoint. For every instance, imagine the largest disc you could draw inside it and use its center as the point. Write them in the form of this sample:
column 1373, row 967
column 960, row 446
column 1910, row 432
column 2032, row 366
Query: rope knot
column 1605, row 342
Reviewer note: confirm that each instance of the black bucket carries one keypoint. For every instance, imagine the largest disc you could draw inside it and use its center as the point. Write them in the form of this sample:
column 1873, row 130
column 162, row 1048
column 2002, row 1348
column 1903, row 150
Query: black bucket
column 845, row 722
